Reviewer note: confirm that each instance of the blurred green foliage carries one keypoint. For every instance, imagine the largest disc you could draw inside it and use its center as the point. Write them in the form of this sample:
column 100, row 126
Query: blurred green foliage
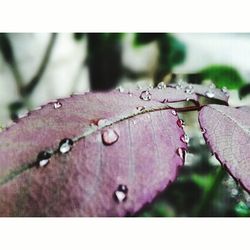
column 244, row 91
column 223, row 75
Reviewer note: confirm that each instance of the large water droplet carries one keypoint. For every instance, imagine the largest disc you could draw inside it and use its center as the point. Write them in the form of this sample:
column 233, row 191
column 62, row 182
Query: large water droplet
column 65, row 145
column 140, row 108
column 43, row 158
column 145, row 95
column 109, row 136
column 57, row 105
column 181, row 152
column 209, row 93
column 189, row 89
column 180, row 123
column 184, row 138
column 173, row 111
column 120, row 195
column 161, row 85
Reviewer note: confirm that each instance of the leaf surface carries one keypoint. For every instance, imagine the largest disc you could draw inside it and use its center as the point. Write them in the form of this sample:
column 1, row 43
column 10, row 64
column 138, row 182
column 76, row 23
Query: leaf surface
column 113, row 168
column 227, row 131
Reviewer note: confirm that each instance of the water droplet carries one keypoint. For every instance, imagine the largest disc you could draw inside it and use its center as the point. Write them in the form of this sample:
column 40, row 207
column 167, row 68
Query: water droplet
column 209, row 93
column 120, row 89
column 212, row 85
column 179, row 84
column 103, row 122
column 120, row 195
column 65, row 145
column 130, row 94
column 161, row 85
column 189, row 89
column 181, row 152
column 140, row 108
column 43, row 158
column 180, row 123
column 225, row 91
column 203, row 130
column 145, row 95
column 109, row 136
column 173, row 111
column 57, row 105
column 234, row 192
column 185, row 138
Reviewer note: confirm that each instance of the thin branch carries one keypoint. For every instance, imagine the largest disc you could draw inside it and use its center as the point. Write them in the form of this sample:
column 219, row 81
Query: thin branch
column 8, row 55
column 28, row 89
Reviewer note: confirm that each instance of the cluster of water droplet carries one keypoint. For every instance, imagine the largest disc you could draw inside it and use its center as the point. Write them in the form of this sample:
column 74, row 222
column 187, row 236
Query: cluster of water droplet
column 43, row 157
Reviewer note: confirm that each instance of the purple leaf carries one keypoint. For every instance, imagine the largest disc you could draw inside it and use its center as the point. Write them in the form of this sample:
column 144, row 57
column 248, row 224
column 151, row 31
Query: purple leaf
column 207, row 91
column 227, row 131
column 98, row 154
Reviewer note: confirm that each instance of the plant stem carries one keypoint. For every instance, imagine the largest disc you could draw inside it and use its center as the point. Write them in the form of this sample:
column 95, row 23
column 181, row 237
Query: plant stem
column 210, row 193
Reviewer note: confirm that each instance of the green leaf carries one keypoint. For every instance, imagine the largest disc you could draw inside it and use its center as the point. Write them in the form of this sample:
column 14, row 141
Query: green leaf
column 223, row 75
column 203, row 181
column 242, row 209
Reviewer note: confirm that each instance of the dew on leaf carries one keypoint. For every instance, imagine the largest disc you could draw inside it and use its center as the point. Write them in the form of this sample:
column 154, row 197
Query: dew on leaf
column 109, row 136
column 184, row 138
column 234, row 192
column 203, row 130
column 103, row 122
column 43, row 158
column 212, row 85
column 57, row 105
column 173, row 111
column 189, row 90
column 225, row 91
column 140, row 108
column 120, row 89
column 179, row 84
column 209, row 93
column 65, row 145
column 145, row 95
column 120, row 195
column 181, row 152
column 180, row 123
column 161, row 85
